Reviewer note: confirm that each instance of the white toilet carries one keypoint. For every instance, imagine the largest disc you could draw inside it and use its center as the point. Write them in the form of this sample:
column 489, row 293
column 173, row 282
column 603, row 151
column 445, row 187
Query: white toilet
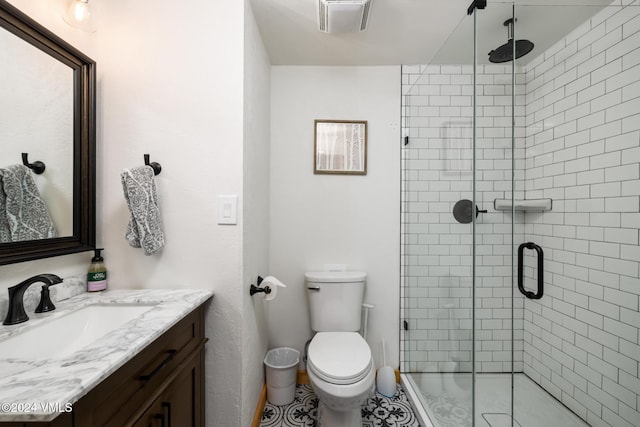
column 339, row 362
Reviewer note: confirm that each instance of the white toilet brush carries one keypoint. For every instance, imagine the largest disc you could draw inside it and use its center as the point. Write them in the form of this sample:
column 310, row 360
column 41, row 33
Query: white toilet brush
column 386, row 379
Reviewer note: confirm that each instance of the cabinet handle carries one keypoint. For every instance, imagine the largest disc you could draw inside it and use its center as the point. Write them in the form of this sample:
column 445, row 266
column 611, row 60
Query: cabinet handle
column 171, row 355
column 167, row 407
column 161, row 418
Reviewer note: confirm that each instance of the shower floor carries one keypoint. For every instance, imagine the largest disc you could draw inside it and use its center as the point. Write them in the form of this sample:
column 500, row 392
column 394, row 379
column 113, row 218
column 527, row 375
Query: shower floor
column 446, row 397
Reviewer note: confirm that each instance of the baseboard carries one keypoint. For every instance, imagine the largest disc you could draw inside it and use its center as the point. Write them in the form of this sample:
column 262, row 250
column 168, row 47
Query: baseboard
column 257, row 417
column 303, row 378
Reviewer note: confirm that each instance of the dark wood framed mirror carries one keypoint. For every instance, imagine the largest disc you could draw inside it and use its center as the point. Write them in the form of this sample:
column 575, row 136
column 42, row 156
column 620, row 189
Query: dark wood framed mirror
column 81, row 207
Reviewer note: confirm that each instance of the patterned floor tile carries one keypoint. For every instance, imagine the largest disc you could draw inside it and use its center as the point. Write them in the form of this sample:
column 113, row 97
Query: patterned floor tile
column 303, row 411
column 380, row 411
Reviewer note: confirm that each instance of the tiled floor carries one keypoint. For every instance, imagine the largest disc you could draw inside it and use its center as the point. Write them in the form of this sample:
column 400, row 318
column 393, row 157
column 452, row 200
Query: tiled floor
column 379, row 411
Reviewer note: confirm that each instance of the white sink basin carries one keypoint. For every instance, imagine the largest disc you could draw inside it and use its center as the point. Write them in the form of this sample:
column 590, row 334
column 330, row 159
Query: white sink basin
column 67, row 334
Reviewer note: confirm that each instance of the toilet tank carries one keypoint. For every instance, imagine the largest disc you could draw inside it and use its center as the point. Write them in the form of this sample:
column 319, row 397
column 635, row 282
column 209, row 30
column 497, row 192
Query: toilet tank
column 335, row 300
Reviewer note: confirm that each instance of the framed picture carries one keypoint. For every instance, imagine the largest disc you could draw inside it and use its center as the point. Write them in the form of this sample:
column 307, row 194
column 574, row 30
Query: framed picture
column 340, row 147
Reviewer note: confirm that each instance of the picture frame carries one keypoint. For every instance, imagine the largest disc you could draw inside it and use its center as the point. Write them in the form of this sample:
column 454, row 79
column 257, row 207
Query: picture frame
column 340, row 147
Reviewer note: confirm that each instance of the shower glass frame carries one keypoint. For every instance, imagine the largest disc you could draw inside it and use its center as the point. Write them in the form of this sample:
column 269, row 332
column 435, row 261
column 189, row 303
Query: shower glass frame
column 433, row 292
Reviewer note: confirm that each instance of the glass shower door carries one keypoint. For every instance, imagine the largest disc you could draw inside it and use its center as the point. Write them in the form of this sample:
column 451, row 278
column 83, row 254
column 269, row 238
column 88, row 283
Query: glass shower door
column 461, row 153
column 436, row 335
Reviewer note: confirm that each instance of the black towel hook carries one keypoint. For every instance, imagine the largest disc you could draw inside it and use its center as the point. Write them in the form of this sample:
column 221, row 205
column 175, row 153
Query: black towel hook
column 154, row 165
column 37, row 167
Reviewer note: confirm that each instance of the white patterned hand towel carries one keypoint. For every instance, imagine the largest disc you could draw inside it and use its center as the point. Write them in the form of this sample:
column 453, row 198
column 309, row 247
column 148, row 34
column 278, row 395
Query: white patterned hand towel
column 145, row 227
column 23, row 213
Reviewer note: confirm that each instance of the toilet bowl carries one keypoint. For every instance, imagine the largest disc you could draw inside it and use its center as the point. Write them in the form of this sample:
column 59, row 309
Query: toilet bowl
column 342, row 374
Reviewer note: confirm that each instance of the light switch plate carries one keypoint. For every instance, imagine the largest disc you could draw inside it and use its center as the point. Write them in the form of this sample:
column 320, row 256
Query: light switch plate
column 228, row 210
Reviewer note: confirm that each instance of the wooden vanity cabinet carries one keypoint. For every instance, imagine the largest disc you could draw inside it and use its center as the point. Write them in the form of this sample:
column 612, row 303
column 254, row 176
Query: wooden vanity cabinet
column 162, row 386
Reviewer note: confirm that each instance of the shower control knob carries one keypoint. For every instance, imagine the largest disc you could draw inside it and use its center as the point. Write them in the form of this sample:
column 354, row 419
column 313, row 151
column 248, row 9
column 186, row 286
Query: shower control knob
column 463, row 211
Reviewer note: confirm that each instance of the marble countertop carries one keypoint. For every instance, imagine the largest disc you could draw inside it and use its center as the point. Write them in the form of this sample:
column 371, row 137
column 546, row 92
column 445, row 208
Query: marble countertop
column 40, row 389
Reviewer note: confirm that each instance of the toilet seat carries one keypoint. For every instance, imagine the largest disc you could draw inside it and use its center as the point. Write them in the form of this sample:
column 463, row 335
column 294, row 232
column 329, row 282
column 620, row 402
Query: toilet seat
column 339, row 357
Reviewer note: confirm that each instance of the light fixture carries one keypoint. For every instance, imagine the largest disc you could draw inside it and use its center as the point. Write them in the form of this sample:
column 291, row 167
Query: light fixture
column 343, row 16
column 79, row 15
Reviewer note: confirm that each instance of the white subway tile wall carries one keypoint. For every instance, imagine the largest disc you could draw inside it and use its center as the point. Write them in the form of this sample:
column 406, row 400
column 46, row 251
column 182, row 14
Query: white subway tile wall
column 577, row 116
column 581, row 342
column 437, row 249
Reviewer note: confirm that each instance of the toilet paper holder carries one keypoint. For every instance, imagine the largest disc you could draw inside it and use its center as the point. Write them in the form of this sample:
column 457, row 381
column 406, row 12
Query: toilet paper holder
column 256, row 289
column 268, row 286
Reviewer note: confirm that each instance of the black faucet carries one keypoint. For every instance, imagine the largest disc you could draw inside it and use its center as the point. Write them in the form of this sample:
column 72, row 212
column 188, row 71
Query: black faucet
column 16, row 313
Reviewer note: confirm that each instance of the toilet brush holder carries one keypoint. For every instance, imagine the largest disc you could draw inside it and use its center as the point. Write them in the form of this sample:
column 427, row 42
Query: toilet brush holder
column 386, row 378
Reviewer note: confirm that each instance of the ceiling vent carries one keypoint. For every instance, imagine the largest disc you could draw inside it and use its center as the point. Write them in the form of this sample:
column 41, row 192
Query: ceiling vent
column 343, row 16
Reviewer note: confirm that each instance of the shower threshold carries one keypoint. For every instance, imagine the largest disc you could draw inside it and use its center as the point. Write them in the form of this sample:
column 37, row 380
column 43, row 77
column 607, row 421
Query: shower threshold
column 444, row 400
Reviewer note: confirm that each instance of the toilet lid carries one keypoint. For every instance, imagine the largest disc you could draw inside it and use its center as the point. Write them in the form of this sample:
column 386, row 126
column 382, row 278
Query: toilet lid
column 339, row 357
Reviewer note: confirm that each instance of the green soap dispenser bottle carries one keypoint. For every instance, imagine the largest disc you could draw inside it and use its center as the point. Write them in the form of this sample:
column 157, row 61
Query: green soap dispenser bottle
column 97, row 276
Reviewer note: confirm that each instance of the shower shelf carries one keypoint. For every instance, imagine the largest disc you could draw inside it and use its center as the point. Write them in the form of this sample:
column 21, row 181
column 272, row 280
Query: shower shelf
column 534, row 205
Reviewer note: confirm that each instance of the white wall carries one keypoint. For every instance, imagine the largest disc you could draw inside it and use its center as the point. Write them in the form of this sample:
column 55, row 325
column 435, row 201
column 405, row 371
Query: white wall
column 171, row 84
column 177, row 95
column 257, row 99
column 321, row 219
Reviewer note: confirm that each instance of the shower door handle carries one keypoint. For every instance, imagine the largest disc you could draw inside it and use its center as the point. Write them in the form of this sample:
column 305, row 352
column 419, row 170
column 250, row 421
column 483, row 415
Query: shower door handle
column 538, row 249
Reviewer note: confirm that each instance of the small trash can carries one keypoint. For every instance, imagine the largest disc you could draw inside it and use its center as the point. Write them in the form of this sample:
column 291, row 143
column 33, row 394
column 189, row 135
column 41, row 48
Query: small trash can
column 282, row 369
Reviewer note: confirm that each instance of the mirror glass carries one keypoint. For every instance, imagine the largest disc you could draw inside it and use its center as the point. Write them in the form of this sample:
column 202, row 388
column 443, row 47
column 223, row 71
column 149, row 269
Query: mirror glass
column 36, row 101
column 47, row 114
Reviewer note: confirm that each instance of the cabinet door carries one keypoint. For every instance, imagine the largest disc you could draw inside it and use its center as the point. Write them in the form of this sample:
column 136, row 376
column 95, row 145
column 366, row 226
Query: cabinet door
column 180, row 404
column 182, row 400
